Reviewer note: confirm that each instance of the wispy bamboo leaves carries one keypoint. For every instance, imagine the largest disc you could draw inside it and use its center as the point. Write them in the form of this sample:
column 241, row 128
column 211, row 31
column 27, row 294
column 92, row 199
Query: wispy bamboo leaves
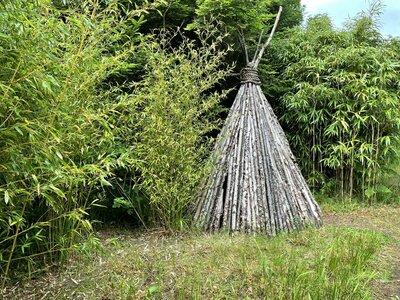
column 55, row 126
column 346, row 99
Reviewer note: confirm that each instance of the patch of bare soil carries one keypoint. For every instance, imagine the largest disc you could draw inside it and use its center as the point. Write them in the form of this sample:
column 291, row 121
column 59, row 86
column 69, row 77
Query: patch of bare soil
column 387, row 221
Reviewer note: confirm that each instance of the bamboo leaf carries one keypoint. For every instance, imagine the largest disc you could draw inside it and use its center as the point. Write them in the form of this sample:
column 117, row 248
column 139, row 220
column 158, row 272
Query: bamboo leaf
column 6, row 197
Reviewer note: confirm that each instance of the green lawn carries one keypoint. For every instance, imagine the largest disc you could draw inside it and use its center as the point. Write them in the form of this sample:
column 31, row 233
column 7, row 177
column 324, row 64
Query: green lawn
column 354, row 256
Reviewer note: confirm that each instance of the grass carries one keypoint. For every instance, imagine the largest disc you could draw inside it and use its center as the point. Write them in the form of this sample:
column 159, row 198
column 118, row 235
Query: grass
column 356, row 255
column 388, row 195
column 348, row 207
column 354, row 205
column 329, row 263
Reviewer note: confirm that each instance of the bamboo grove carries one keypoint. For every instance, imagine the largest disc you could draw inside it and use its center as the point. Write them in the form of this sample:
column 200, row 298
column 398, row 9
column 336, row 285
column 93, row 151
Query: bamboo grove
column 79, row 133
column 342, row 112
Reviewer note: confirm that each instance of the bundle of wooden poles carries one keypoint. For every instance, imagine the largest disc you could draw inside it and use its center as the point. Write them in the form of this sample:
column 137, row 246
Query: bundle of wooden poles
column 255, row 184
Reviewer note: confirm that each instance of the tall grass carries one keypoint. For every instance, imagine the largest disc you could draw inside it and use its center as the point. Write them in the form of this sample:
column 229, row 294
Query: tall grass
column 329, row 263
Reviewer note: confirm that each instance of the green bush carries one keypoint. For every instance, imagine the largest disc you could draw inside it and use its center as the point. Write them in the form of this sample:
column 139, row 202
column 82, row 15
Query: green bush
column 74, row 130
column 172, row 114
column 56, row 143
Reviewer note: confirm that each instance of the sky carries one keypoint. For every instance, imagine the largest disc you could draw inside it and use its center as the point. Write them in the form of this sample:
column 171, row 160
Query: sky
column 342, row 10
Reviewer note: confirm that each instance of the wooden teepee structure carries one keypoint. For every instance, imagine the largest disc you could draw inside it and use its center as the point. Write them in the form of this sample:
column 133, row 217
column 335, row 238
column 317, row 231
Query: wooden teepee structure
column 255, row 184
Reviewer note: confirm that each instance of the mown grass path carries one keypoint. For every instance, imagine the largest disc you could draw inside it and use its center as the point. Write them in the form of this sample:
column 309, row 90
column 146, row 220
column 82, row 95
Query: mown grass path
column 386, row 220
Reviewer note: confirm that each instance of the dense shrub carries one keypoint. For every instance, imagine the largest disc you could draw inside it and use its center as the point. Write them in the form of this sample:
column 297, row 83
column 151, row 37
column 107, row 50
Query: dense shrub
column 74, row 129
column 56, row 144
column 171, row 115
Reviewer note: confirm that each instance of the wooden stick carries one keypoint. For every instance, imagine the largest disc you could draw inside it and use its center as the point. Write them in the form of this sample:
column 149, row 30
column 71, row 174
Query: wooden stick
column 258, row 59
column 242, row 41
column 258, row 46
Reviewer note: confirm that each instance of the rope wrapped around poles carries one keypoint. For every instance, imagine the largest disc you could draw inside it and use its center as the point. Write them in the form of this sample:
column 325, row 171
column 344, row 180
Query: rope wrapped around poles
column 249, row 75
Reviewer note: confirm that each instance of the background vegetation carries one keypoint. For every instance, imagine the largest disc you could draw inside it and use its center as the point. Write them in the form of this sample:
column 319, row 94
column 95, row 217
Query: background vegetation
column 339, row 103
column 108, row 111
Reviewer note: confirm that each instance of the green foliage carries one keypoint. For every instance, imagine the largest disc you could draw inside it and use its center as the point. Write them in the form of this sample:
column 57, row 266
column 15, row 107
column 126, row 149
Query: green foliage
column 169, row 14
column 249, row 17
column 70, row 130
column 73, row 131
column 56, row 145
column 174, row 111
column 341, row 102
column 127, row 197
column 245, row 20
column 292, row 14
